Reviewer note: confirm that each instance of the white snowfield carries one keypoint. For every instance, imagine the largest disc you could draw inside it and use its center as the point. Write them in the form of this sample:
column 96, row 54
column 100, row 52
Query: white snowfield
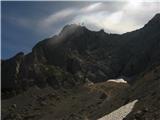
column 120, row 113
column 117, row 80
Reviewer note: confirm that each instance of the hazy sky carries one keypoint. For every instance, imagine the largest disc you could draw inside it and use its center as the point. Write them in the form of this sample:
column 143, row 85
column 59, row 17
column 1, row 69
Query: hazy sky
column 25, row 23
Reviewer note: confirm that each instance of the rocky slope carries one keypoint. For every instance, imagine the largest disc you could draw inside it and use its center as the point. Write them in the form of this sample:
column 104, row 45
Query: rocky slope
column 112, row 99
column 89, row 101
column 70, row 68
column 146, row 90
column 145, row 96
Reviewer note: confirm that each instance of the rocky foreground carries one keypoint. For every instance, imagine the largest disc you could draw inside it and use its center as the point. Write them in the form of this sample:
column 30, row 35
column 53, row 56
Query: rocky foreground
column 86, row 75
column 108, row 100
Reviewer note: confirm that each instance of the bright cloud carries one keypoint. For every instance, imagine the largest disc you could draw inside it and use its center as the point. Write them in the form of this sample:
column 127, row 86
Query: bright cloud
column 101, row 15
column 131, row 16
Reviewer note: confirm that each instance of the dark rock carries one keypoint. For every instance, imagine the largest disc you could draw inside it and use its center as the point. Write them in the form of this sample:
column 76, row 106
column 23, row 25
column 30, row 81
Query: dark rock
column 103, row 96
column 138, row 114
column 43, row 103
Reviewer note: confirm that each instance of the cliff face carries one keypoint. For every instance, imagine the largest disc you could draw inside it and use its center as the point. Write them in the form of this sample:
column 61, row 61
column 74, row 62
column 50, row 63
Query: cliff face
column 11, row 71
column 84, row 54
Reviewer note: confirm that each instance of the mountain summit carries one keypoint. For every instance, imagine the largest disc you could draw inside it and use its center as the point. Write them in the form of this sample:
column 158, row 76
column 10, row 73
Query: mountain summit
column 155, row 19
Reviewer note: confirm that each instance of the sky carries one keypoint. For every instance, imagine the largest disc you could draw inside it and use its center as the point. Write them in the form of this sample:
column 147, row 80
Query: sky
column 25, row 23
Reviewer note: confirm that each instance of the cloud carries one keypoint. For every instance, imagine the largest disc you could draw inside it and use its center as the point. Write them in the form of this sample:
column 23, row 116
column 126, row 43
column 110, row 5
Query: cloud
column 67, row 12
column 115, row 17
column 102, row 20
column 56, row 17
column 131, row 16
column 65, row 16
column 92, row 7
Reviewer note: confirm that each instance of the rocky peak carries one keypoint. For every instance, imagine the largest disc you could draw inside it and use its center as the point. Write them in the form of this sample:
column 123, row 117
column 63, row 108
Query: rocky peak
column 155, row 21
column 19, row 55
column 156, row 18
column 70, row 29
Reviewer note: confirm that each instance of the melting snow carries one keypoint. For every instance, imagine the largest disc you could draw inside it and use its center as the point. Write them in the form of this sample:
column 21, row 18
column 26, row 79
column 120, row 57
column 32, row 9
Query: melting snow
column 121, row 112
column 117, row 80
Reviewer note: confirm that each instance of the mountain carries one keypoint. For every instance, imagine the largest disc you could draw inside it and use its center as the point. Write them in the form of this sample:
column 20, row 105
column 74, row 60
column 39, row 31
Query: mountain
column 78, row 57
column 78, row 50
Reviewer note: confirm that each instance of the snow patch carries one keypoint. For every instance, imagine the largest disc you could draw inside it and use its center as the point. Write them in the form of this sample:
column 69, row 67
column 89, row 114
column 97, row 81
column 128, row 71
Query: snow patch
column 117, row 80
column 121, row 112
